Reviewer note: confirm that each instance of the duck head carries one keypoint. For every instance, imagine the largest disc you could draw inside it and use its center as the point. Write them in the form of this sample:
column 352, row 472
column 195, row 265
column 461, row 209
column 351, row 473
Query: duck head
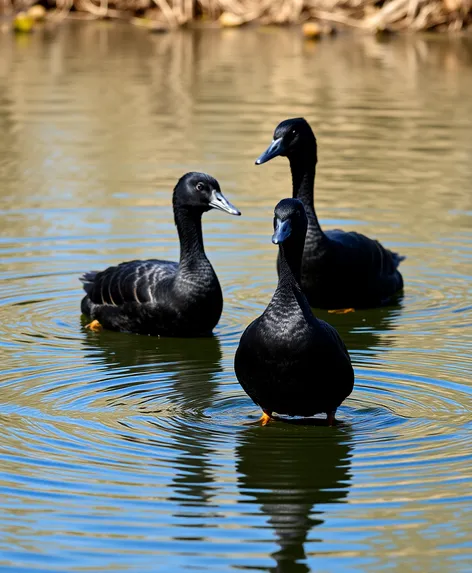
column 290, row 222
column 291, row 137
column 201, row 192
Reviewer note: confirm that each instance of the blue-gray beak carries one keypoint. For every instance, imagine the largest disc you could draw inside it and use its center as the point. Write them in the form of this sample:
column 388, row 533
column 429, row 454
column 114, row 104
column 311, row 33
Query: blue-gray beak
column 275, row 148
column 283, row 230
column 219, row 201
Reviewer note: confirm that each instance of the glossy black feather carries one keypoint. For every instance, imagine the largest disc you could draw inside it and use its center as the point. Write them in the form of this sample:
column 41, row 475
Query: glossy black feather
column 288, row 361
column 134, row 281
column 164, row 297
column 339, row 269
column 346, row 269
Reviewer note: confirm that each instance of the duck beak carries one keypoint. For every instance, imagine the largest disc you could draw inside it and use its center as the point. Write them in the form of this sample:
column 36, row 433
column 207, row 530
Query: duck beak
column 277, row 147
column 219, row 201
column 283, row 230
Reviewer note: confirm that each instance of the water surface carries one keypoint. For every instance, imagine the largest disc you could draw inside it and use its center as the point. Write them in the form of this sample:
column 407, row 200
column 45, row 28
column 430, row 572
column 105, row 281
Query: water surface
column 137, row 454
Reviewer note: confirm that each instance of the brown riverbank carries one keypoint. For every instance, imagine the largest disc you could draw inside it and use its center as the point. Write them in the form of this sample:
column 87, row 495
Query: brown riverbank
column 316, row 16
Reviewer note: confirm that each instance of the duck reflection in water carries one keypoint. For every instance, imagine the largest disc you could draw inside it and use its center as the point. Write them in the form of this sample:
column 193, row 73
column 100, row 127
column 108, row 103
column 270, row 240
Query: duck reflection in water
column 193, row 367
column 288, row 470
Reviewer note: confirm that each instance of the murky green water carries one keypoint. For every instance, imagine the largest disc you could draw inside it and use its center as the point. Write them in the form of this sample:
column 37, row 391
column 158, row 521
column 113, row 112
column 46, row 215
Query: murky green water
column 125, row 453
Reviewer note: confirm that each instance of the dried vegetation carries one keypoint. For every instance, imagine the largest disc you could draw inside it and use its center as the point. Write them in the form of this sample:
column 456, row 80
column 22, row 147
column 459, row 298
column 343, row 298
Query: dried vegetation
column 369, row 15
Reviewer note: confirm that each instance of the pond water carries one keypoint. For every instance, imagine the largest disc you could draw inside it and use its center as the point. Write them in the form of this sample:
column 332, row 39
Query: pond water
column 138, row 454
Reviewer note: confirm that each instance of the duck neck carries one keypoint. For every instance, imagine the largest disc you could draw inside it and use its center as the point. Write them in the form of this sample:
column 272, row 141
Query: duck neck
column 303, row 168
column 290, row 262
column 189, row 228
column 288, row 292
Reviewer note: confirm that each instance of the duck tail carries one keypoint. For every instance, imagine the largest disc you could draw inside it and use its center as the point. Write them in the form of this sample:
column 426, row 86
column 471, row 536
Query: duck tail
column 88, row 280
column 397, row 259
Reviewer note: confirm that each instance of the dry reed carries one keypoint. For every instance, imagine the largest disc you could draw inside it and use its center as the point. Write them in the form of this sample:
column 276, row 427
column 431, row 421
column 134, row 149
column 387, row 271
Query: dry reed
column 369, row 15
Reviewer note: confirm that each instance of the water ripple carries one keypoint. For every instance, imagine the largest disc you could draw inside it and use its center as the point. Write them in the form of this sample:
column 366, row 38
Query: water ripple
column 130, row 453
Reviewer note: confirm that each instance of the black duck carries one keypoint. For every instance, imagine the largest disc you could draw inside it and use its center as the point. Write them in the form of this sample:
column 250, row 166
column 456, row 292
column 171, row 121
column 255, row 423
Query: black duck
column 163, row 297
column 340, row 270
column 288, row 361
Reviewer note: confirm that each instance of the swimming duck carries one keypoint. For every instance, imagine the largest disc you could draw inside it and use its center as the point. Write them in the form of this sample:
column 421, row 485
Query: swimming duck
column 340, row 270
column 163, row 297
column 288, row 361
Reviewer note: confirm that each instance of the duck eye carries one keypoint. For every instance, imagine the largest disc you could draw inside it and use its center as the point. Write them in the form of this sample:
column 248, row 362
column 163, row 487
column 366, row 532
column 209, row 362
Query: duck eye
column 294, row 132
column 199, row 186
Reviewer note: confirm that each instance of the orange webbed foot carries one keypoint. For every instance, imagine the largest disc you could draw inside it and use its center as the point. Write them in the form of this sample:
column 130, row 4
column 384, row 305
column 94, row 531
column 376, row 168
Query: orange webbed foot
column 341, row 310
column 95, row 326
column 265, row 418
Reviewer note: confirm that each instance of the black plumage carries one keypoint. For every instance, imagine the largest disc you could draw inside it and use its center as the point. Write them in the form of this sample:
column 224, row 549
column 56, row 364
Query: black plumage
column 288, row 361
column 339, row 269
column 163, row 297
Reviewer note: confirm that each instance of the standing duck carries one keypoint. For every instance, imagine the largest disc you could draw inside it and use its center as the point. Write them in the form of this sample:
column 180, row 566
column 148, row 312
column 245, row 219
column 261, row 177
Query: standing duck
column 163, row 297
column 288, row 361
column 340, row 270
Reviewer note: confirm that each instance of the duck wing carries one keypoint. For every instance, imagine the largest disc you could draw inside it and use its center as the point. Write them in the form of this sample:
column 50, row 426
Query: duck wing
column 333, row 338
column 133, row 281
column 367, row 255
